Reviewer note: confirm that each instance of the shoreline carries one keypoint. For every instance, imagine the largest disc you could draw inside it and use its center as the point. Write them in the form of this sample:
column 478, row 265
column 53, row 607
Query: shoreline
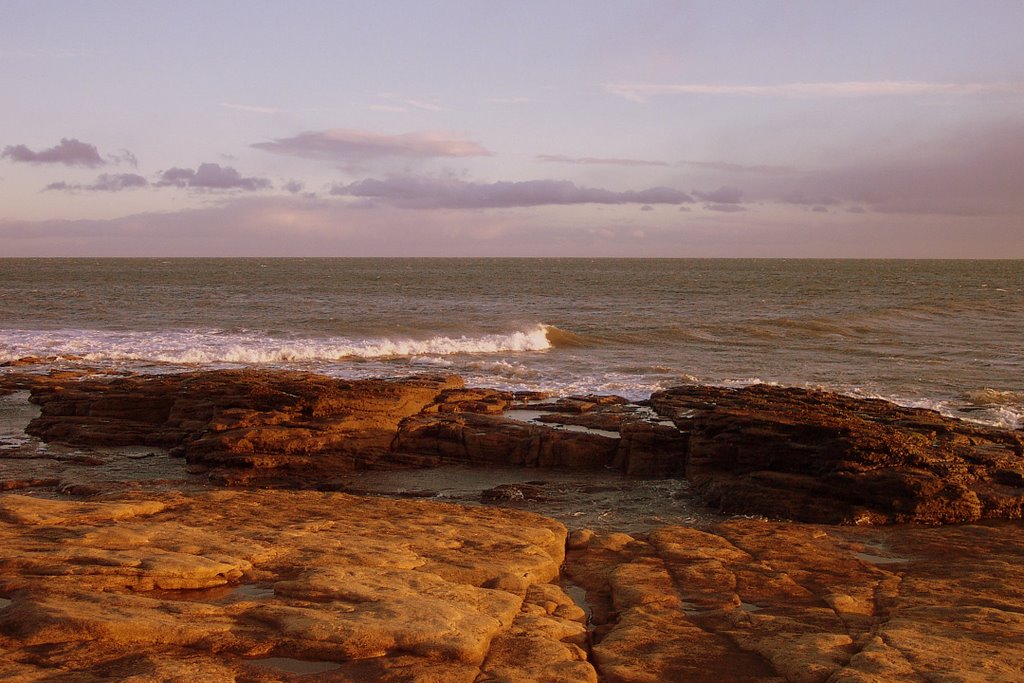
column 204, row 572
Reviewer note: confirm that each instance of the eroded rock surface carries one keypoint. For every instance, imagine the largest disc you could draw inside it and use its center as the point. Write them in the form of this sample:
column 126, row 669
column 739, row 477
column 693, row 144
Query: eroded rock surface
column 820, row 457
column 780, row 452
column 268, row 585
column 749, row 600
column 217, row 585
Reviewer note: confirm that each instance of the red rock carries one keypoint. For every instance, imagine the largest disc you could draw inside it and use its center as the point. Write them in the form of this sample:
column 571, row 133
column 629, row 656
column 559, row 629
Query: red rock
column 778, row 452
column 820, row 457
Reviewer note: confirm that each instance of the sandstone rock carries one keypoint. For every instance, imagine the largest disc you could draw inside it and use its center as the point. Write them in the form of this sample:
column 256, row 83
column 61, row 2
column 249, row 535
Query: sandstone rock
column 266, row 585
column 485, row 439
column 288, row 428
column 138, row 586
column 749, row 600
column 780, row 452
column 820, row 457
column 284, row 421
column 547, row 643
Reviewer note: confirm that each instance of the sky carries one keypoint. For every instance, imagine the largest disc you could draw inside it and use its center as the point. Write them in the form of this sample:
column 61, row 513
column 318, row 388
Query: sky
column 840, row 129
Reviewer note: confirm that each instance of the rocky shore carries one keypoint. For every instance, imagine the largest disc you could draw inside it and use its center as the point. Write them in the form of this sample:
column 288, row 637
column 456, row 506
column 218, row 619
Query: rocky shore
column 203, row 526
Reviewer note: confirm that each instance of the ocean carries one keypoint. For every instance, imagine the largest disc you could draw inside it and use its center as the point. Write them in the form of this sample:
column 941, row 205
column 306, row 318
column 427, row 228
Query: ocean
column 947, row 335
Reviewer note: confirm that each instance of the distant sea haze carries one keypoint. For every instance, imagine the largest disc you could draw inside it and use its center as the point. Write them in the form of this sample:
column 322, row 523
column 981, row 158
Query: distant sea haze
column 940, row 334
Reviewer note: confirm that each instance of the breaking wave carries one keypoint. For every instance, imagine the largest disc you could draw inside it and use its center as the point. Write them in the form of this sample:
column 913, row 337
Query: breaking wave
column 201, row 347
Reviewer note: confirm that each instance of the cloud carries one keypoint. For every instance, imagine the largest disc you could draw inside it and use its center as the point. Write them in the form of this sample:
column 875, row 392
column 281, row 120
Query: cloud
column 176, row 177
column 558, row 158
column 405, row 103
column 969, row 170
column 724, row 208
column 411, row 192
column 802, row 198
column 343, row 145
column 126, row 157
column 727, row 167
column 293, row 186
column 641, row 92
column 70, row 152
column 210, row 177
column 277, row 225
column 116, row 182
column 723, row 195
column 107, row 182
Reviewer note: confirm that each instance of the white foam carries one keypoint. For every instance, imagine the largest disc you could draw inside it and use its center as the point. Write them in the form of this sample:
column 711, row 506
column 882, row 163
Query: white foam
column 203, row 347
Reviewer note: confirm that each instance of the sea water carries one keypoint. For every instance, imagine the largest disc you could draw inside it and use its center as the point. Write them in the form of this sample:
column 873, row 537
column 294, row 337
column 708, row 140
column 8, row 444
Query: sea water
column 947, row 335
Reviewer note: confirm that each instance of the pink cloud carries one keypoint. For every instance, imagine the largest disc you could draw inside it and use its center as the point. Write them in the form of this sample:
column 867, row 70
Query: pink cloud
column 641, row 92
column 343, row 145
column 256, row 225
column 727, row 167
column 967, row 171
column 558, row 158
column 414, row 192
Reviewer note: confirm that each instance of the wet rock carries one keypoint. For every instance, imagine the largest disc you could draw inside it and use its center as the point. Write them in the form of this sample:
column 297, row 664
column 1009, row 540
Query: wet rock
column 649, row 449
column 37, row 360
column 286, row 421
column 779, row 452
column 485, row 439
column 512, row 493
column 468, row 400
column 15, row 484
column 814, row 456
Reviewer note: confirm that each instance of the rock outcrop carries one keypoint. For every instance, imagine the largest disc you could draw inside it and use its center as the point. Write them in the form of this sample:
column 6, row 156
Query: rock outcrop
column 270, row 585
column 748, row 600
column 820, row 457
column 187, row 581
column 779, row 452
column 235, row 585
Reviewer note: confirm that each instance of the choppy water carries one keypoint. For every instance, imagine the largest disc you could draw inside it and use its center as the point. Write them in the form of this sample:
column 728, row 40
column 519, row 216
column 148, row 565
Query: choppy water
column 942, row 334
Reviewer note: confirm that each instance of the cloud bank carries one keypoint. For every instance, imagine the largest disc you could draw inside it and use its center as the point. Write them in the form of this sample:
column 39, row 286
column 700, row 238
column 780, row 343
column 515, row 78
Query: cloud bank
column 70, row 152
column 559, row 159
column 970, row 170
column 727, row 167
column 253, row 225
column 641, row 92
column 411, row 192
column 344, row 145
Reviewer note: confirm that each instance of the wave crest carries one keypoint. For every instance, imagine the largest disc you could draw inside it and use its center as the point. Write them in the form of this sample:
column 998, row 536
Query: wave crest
column 213, row 346
column 560, row 338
